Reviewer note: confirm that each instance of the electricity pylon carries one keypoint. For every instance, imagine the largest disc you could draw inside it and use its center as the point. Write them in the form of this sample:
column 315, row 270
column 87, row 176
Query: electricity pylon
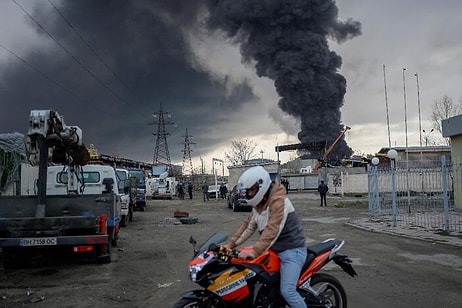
column 187, row 161
column 161, row 154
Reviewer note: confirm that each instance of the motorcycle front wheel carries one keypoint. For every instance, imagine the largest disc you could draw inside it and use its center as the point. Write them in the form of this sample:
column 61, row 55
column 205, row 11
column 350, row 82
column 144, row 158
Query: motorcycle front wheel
column 187, row 303
column 197, row 303
column 330, row 292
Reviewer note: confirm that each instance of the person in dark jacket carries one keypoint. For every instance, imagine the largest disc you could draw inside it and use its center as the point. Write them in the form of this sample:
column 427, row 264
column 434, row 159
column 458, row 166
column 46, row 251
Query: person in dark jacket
column 223, row 191
column 323, row 189
column 205, row 191
column 190, row 190
column 274, row 218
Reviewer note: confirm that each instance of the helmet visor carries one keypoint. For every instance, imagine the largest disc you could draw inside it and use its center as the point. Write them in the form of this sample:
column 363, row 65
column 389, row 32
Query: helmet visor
column 250, row 192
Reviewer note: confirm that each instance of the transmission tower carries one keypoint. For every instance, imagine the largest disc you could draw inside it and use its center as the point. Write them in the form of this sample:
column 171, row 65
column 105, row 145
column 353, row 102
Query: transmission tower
column 187, row 161
column 161, row 154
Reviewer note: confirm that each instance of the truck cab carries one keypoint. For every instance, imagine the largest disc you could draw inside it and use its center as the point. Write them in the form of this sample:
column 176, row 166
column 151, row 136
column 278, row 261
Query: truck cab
column 93, row 180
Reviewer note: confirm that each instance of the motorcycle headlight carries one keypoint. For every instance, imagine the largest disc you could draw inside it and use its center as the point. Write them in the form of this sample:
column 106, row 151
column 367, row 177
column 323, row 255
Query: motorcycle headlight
column 193, row 270
column 196, row 265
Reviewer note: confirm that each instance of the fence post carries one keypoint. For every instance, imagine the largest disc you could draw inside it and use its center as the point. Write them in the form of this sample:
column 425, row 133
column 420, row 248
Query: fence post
column 373, row 191
column 444, row 175
column 393, row 188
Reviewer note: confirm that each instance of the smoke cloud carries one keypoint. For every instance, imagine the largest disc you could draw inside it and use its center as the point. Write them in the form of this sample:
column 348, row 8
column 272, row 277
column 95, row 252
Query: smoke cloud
column 287, row 41
column 107, row 65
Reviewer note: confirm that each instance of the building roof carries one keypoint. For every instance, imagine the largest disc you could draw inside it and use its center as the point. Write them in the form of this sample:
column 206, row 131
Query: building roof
column 418, row 149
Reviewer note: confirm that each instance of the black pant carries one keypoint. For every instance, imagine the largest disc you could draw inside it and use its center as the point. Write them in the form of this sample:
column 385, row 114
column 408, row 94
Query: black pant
column 323, row 198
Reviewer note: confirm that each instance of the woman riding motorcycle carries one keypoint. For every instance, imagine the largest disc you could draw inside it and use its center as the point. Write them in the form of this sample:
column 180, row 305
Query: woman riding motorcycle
column 274, row 217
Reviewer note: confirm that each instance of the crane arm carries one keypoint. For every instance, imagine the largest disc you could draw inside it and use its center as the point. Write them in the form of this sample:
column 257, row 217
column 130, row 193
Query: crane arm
column 47, row 128
column 329, row 150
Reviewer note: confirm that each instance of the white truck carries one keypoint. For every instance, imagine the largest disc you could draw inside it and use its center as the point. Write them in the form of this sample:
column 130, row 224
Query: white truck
column 86, row 225
column 162, row 187
column 126, row 192
column 91, row 182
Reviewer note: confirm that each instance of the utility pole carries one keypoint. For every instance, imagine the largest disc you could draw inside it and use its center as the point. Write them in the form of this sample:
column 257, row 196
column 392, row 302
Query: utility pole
column 161, row 154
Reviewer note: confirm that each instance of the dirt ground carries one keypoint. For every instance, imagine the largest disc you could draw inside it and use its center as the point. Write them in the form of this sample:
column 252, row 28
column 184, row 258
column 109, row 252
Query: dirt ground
column 149, row 266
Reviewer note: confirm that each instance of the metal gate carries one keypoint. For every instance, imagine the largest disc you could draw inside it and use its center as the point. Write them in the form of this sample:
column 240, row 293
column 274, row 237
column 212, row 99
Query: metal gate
column 418, row 194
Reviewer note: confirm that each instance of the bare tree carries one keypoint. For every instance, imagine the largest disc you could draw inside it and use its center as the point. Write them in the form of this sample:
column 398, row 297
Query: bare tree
column 241, row 151
column 443, row 109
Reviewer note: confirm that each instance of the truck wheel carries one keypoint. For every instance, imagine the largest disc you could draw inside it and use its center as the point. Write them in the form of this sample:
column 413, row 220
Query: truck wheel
column 8, row 262
column 103, row 254
column 130, row 213
column 123, row 220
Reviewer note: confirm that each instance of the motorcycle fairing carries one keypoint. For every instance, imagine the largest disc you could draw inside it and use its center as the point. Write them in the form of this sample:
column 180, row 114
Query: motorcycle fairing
column 268, row 260
column 231, row 284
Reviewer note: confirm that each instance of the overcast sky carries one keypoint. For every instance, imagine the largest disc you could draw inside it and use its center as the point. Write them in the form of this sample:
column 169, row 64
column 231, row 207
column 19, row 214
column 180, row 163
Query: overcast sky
column 106, row 66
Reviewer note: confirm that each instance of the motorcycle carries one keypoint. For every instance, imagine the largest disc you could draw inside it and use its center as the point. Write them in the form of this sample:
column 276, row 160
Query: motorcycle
column 228, row 281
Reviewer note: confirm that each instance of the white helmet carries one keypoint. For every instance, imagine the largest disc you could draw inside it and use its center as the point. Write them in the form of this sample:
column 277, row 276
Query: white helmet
column 254, row 177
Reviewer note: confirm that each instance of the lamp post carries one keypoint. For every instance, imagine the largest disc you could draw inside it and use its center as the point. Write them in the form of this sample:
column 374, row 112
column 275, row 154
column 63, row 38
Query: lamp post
column 407, row 152
column 427, row 135
column 420, row 121
column 392, row 154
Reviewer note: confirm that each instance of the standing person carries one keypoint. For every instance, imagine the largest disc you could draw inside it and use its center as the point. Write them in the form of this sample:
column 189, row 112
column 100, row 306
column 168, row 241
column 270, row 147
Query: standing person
column 205, row 191
column 274, row 217
column 181, row 191
column 190, row 189
column 323, row 189
column 223, row 191
column 286, row 185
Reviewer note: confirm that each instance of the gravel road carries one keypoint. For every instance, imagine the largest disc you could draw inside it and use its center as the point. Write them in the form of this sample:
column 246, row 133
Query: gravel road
column 149, row 267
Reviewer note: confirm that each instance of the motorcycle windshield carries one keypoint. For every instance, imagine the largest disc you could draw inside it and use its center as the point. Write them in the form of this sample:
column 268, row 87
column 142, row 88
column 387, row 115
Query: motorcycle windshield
column 216, row 238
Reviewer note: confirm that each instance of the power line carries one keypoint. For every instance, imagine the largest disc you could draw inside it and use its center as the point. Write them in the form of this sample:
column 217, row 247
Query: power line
column 67, row 51
column 90, row 48
column 44, row 75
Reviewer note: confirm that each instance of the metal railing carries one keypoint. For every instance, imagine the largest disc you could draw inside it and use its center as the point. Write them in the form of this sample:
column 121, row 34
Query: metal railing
column 418, row 194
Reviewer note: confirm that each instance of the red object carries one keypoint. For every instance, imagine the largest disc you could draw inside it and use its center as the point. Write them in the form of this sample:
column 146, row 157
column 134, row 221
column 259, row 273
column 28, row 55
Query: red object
column 103, row 223
column 86, row 248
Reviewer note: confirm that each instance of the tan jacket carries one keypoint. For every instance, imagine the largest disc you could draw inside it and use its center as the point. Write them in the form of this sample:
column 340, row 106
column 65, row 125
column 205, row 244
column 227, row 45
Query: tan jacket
column 267, row 218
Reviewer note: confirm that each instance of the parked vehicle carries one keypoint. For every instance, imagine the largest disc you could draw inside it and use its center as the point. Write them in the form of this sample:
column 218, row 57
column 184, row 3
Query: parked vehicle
column 228, row 281
column 72, row 223
column 139, row 175
column 127, row 197
column 214, row 191
column 163, row 186
column 237, row 202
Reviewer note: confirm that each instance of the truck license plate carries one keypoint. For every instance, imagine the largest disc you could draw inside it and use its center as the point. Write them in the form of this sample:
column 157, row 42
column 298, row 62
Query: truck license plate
column 39, row 241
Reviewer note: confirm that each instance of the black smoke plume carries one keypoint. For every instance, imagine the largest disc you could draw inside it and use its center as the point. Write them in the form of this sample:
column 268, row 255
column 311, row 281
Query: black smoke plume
column 287, row 41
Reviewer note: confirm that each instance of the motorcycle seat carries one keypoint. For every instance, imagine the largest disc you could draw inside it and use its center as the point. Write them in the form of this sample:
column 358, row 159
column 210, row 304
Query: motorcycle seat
column 320, row 248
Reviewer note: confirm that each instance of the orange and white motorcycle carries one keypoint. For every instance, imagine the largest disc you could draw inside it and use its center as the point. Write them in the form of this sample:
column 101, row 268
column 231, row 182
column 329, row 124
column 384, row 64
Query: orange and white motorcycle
column 228, row 281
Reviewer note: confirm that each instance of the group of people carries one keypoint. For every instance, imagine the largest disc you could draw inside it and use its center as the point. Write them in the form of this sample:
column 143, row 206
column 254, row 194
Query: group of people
column 180, row 190
column 205, row 191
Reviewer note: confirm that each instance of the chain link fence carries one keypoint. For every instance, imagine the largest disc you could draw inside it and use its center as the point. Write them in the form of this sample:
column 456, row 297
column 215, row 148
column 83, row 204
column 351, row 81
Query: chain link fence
column 418, row 194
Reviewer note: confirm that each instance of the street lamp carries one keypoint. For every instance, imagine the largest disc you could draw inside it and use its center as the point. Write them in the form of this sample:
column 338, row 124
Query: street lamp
column 427, row 135
column 407, row 150
column 392, row 154
column 420, row 122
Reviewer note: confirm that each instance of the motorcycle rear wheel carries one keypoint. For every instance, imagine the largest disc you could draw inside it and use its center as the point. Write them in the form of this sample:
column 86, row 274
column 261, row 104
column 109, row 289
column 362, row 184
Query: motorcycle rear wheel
column 331, row 291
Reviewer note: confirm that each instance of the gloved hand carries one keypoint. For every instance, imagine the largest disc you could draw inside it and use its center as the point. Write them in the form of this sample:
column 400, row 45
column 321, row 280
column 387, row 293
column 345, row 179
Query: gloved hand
column 246, row 255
